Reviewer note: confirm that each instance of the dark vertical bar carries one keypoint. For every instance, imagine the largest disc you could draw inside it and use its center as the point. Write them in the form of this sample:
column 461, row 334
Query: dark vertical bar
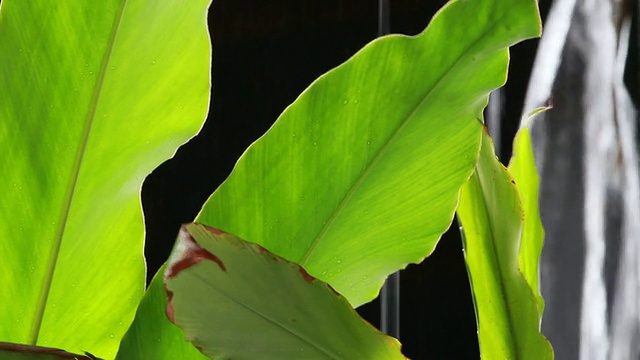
column 390, row 294
column 383, row 17
column 390, row 306
column 494, row 120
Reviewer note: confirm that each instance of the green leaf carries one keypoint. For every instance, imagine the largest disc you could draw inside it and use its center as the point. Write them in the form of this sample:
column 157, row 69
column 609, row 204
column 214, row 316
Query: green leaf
column 93, row 96
column 491, row 216
column 10, row 351
column 523, row 169
column 151, row 335
column 236, row 300
column 360, row 176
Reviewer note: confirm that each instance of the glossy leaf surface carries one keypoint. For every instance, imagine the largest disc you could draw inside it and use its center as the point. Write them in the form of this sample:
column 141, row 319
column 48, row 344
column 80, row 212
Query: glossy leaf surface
column 360, row 175
column 236, row 300
column 93, row 96
column 492, row 217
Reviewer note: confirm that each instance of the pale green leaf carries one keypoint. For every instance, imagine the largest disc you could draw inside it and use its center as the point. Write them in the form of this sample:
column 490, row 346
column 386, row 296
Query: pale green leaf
column 236, row 300
column 492, row 217
column 523, row 169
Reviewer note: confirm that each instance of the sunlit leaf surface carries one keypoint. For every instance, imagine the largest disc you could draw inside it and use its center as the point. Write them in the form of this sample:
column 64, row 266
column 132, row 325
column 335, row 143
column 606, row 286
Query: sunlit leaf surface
column 93, row 96
column 492, row 218
column 360, row 175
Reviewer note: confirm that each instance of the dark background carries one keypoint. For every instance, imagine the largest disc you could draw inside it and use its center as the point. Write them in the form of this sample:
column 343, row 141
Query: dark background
column 265, row 54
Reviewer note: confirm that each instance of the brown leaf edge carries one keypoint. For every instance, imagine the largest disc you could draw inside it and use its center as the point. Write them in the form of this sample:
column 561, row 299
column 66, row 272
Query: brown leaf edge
column 43, row 351
column 191, row 253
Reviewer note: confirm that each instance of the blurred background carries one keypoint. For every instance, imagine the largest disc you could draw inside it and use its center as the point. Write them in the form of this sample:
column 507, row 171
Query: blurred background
column 585, row 65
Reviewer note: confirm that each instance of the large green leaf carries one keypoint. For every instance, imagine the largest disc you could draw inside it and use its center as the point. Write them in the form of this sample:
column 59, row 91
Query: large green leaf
column 93, row 96
column 360, row 176
column 236, row 300
column 491, row 216
column 151, row 335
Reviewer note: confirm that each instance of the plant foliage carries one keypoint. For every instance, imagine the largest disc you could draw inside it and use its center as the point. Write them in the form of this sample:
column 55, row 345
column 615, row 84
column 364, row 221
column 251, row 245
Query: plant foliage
column 93, row 96
column 359, row 177
column 303, row 317
column 492, row 218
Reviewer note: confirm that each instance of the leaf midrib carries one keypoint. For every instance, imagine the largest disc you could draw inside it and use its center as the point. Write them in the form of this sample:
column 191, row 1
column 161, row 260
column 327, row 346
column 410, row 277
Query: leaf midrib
column 41, row 305
column 363, row 176
column 504, row 294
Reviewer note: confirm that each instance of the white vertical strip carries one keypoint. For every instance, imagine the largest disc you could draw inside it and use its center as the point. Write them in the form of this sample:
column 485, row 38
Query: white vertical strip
column 546, row 64
column 625, row 321
column 547, row 61
column 598, row 45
